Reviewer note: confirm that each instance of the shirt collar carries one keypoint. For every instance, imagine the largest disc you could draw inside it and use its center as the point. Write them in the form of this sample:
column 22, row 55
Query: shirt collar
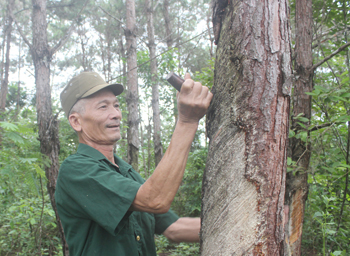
column 90, row 151
column 94, row 153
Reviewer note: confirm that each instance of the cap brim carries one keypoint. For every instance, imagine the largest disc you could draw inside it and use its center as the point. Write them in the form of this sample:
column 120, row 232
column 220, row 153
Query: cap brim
column 116, row 88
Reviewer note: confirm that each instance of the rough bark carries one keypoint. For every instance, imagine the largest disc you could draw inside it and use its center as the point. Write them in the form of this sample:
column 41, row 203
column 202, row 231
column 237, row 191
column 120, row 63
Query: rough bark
column 4, row 83
column 158, row 148
column 168, row 27
column 247, row 124
column 132, row 95
column 47, row 123
column 169, row 42
column 296, row 182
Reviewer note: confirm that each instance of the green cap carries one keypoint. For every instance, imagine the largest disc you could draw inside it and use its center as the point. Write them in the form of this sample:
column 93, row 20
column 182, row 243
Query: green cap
column 82, row 86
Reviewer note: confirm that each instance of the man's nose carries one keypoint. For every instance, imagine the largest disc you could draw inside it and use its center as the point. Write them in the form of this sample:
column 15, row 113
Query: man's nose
column 116, row 113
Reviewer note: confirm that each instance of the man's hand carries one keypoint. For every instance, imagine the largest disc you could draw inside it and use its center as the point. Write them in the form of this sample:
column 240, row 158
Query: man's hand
column 184, row 230
column 193, row 100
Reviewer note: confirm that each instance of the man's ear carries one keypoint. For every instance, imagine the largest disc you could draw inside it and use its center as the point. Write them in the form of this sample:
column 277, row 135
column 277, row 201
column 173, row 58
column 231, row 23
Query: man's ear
column 74, row 120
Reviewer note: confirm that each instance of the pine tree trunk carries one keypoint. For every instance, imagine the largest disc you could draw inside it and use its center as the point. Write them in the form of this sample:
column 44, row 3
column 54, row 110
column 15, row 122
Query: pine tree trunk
column 47, row 123
column 5, row 82
column 132, row 92
column 247, row 123
column 158, row 148
column 296, row 182
column 168, row 27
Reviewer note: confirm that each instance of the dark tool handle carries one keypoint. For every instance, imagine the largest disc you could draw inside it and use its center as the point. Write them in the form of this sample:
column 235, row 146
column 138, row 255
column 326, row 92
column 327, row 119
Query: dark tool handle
column 175, row 80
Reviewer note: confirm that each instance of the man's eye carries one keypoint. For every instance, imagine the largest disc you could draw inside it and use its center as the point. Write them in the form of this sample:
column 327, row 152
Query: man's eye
column 116, row 105
column 103, row 106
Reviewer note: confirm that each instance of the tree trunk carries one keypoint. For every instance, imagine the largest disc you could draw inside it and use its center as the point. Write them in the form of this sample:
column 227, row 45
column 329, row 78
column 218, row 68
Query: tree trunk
column 122, row 143
column 296, row 181
column 247, row 123
column 168, row 27
column 132, row 92
column 158, row 148
column 47, row 123
column 5, row 82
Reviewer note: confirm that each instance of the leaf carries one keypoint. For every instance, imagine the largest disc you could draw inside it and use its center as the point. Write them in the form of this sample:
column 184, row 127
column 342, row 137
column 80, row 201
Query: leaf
column 27, row 160
column 8, row 126
column 331, row 232
column 314, row 93
column 317, row 214
column 345, row 95
column 32, row 221
column 15, row 137
column 343, row 118
column 291, row 133
column 345, row 80
column 303, row 119
column 302, row 125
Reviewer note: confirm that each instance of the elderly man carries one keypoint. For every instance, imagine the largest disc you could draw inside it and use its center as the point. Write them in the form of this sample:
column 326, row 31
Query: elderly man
column 106, row 208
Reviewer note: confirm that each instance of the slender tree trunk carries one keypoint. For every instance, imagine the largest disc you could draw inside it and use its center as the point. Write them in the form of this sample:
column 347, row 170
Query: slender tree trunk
column 149, row 148
column 18, row 107
column 47, row 123
column 296, row 182
column 158, row 148
column 132, row 92
column 5, row 82
column 168, row 25
column 169, row 42
column 247, row 123
column 123, row 141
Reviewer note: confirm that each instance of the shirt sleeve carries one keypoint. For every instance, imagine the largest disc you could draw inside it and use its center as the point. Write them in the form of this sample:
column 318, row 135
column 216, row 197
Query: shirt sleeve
column 163, row 221
column 98, row 193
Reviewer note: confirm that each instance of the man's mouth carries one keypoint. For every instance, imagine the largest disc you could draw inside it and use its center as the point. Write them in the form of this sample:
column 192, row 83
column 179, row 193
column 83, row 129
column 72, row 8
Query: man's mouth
column 113, row 125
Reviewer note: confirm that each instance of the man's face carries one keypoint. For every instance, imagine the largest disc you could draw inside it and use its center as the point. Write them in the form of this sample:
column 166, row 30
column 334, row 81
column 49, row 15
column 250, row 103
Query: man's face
column 100, row 122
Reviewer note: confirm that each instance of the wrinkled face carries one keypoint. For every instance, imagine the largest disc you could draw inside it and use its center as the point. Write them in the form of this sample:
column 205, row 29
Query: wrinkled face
column 99, row 123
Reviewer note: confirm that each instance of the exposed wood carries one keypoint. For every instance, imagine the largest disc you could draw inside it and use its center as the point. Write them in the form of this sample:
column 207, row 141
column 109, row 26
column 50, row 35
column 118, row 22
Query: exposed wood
column 247, row 124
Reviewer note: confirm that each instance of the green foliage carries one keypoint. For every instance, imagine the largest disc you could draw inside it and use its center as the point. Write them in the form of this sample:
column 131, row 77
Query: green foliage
column 164, row 247
column 188, row 199
column 27, row 220
column 327, row 216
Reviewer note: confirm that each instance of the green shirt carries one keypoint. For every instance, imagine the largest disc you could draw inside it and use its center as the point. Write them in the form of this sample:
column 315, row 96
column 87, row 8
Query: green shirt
column 93, row 197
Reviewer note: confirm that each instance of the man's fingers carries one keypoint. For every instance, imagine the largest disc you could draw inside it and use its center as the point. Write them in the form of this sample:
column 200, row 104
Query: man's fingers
column 187, row 76
column 188, row 85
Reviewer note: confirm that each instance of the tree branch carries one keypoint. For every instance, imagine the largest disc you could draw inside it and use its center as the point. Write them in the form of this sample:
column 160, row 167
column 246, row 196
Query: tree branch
column 330, row 56
column 112, row 16
column 317, row 127
column 21, row 32
column 155, row 7
column 65, row 38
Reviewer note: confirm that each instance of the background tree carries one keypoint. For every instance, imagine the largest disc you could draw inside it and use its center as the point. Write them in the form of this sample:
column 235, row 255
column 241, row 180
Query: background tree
column 132, row 89
column 47, row 123
column 7, row 35
column 297, row 181
column 158, row 148
column 243, row 184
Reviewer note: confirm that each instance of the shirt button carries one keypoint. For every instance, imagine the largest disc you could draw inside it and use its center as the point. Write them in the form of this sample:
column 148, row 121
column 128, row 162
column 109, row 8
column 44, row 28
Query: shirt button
column 138, row 238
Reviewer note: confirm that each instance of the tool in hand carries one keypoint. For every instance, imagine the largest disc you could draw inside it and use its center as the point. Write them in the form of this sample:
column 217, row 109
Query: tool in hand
column 175, row 80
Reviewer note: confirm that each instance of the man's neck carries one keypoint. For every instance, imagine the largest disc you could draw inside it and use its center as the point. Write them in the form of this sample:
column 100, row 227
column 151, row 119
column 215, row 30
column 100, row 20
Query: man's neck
column 106, row 150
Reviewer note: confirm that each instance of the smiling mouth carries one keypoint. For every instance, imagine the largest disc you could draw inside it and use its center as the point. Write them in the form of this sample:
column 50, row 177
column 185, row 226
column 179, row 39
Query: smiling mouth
column 113, row 126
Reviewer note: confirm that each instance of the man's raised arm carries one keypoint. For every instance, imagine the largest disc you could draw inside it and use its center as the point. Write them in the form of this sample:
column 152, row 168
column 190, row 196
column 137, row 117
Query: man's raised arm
column 158, row 192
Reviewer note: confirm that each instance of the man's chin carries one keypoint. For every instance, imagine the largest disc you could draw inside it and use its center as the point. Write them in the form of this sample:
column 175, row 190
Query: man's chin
column 115, row 139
